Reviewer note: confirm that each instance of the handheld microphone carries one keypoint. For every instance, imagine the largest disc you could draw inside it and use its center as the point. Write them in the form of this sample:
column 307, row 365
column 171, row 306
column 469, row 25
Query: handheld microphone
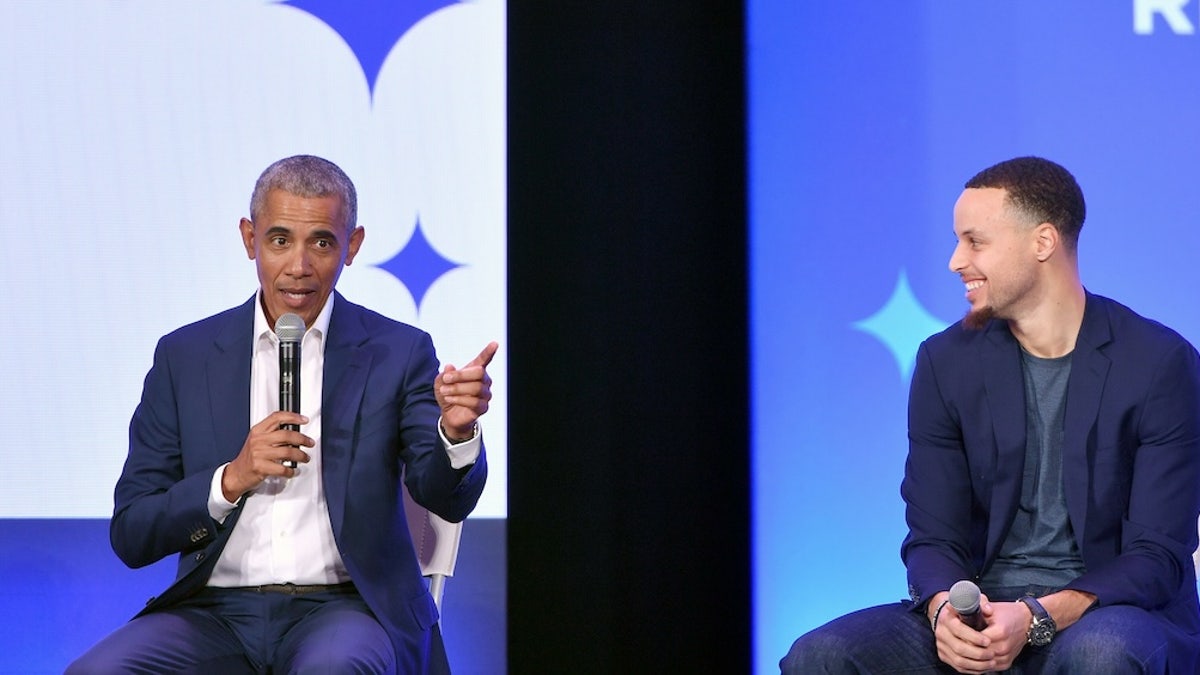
column 289, row 328
column 964, row 598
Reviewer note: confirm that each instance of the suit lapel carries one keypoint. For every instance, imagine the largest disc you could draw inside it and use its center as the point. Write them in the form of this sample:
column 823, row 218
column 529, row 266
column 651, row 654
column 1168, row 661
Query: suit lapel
column 1089, row 371
column 1004, row 384
column 228, row 374
column 347, row 363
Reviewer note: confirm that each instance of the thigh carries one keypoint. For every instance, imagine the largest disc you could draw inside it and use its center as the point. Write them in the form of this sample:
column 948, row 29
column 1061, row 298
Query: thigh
column 179, row 640
column 884, row 639
column 336, row 636
column 1117, row 639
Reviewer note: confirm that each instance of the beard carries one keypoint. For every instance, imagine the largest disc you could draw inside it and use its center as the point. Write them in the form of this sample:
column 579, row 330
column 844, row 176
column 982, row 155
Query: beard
column 977, row 319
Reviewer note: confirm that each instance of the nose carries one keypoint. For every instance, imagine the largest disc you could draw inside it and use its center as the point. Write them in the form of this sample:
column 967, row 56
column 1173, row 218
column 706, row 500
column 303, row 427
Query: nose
column 299, row 265
column 957, row 261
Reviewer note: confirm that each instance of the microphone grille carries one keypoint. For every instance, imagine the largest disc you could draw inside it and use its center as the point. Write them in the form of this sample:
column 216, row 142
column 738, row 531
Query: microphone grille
column 964, row 597
column 289, row 328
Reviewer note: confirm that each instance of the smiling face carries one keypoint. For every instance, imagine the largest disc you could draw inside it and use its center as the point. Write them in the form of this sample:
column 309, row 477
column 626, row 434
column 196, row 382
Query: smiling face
column 299, row 246
column 997, row 256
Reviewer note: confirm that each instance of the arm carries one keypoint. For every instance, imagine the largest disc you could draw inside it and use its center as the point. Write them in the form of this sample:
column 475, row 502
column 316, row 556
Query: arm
column 158, row 509
column 173, row 456
column 936, row 491
column 446, row 406
column 944, row 532
column 1158, row 526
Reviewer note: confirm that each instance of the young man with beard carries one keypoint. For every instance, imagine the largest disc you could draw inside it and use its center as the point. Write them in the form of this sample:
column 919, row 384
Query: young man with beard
column 1054, row 460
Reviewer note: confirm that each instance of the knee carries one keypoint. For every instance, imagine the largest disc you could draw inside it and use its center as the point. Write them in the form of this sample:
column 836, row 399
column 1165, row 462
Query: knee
column 357, row 658
column 1105, row 652
column 356, row 663
column 815, row 652
column 92, row 663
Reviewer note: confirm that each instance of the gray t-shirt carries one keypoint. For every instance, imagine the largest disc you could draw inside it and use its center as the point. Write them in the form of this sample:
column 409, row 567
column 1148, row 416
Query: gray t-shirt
column 1040, row 548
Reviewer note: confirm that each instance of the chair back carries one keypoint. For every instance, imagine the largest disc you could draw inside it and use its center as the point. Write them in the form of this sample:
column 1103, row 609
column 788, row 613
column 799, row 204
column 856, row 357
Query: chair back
column 435, row 541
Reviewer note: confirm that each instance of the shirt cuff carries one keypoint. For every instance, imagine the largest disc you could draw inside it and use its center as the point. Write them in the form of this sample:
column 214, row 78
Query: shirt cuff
column 463, row 453
column 218, row 506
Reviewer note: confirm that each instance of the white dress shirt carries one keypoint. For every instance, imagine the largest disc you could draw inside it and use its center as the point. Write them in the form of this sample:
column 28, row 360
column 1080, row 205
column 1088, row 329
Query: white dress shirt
column 284, row 534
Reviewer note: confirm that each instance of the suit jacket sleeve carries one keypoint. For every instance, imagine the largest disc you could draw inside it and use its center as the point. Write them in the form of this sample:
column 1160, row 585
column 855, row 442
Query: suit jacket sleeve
column 160, row 508
column 936, row 490
column 450, row 493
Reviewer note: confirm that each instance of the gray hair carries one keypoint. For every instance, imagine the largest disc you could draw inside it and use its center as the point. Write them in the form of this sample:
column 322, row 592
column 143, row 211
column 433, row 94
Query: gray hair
column 306, row 176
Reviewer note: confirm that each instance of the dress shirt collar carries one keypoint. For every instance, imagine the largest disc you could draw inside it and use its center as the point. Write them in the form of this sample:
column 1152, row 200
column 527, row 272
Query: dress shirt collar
column 318, row 330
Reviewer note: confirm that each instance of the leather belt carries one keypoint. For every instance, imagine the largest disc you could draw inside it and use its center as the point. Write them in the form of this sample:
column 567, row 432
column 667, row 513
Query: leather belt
column 297, row 589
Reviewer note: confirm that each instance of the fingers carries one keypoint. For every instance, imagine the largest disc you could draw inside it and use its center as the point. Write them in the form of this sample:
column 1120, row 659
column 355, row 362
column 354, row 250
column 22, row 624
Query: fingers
column 968, row 635
column 464, row 395
column 475, row 370
column 277, row 419
column 485, row 356
column 290, row 458
column 268, row 445
column 464, row 402
column 473, row 394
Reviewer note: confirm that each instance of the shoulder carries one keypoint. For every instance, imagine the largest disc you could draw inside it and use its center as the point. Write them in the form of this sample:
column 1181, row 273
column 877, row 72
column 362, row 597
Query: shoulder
column 372, row 319
column 211, row 328
column 371, row 325
column 956, row 339
column 1108, row 321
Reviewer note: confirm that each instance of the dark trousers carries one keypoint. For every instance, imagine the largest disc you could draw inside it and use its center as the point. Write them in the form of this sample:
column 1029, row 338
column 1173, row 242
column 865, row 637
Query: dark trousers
column 1118, row 639
column 248, row 631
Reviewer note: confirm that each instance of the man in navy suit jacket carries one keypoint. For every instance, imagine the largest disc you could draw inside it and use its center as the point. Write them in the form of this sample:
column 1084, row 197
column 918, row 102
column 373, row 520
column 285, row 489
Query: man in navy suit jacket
column 294, row 553
column 1054, row 461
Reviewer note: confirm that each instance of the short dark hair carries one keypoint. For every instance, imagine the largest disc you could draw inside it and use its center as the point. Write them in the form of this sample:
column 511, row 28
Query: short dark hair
column 1041, row 190
column 306, row 176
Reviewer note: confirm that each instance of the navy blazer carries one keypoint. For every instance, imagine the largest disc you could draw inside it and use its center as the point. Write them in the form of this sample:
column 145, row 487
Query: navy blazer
column 379, row 422
column 1131, row 459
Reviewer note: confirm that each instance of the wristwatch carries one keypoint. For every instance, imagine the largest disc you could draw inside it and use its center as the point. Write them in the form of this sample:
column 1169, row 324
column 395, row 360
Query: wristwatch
column 1043, row 628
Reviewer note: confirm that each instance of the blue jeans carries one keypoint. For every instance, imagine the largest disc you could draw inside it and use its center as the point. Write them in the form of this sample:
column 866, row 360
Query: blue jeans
column 1118, row 639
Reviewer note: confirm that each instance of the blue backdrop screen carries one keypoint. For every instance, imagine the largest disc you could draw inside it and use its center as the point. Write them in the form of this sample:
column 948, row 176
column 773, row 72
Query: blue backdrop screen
column 865, row 120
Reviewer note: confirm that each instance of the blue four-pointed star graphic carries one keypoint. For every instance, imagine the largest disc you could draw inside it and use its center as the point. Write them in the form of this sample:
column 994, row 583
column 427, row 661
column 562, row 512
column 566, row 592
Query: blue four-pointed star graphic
column 371, row 27
column 418, row 265
column 901, row 325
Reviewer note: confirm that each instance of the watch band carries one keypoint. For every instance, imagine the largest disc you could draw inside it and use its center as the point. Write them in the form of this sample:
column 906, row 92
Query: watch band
column 457, row 441
column 1043, row 628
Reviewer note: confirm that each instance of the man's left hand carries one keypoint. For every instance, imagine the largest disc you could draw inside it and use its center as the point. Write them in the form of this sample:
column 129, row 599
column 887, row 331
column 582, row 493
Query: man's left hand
column 463, row 394
column 1008, row 627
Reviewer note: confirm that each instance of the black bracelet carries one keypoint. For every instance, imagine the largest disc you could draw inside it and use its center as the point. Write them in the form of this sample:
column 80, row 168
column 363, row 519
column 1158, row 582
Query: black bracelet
column 939, row 613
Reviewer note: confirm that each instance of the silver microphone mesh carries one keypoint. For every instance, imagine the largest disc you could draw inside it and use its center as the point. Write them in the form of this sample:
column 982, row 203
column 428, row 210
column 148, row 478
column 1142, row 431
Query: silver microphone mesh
column 289, row 328
column 964, row 597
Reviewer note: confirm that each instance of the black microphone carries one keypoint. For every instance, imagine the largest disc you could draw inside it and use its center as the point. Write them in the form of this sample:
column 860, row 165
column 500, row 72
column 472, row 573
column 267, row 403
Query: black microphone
column 964, row 598
column 289, row 328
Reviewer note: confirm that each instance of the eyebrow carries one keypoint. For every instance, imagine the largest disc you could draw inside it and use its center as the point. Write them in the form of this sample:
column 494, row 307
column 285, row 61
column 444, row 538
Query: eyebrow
column 324, row 234
column 276, row 230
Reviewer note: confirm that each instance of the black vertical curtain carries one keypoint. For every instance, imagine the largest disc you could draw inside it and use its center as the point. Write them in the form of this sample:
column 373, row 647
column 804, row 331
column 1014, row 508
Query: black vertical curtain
column 629, row 500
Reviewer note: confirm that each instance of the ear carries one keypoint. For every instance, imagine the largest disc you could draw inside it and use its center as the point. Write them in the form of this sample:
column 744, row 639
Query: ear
column 356, row 240
column 1046, row 241
column 247, row 229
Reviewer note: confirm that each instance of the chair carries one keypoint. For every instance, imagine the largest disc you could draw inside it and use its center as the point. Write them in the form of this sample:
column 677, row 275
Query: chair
column 436, row 543
column 1196, row 555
